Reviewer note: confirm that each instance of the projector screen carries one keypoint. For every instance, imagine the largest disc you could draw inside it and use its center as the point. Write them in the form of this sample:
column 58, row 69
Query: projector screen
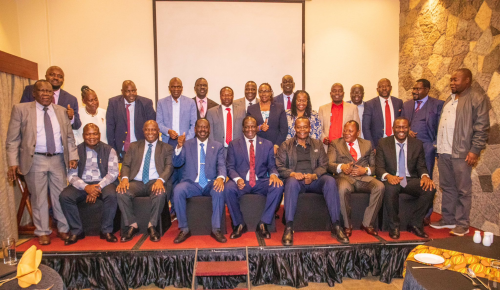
column 227, row 43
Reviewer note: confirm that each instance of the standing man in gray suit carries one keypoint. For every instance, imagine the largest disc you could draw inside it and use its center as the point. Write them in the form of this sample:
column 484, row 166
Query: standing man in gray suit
column 250, row 96
column 285, row 98
column 226, row 119
column 41, row 146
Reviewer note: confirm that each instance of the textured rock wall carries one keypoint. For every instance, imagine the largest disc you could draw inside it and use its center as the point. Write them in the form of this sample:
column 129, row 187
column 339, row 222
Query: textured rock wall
column 438, row 37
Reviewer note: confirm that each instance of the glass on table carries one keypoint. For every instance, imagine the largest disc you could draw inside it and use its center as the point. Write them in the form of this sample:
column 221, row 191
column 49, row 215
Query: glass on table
column 494, row 275
column 9, row 251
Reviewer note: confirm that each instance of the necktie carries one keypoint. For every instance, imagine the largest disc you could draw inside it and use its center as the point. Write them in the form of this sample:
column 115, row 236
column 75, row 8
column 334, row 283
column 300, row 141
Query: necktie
column 418, row 106
column 49, row 132
column 147, row 162
column 127, row 138
column 353, row 152
column 402, row 164
column 202, row 181
column 229, row 126
column 251, row 178
column 288, row 104
column 54, row 98
column 388, row 123
column 249, row 104
column 202, row 109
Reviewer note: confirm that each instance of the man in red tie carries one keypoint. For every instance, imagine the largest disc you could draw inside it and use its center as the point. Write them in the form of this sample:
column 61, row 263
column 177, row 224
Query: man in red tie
column 252, row 170
column 352, row 161
column 285, row 99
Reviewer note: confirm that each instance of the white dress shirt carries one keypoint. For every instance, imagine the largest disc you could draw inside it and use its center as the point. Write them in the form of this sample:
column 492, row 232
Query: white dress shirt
column 176, row 115
column 224, row 115
column 178, row 151
column 41, row 139
column 131, row 110
column 285, row 101
column 358, row 152
column 153, row 174
column 447, row 127
column 382, row 103
column 99, row 119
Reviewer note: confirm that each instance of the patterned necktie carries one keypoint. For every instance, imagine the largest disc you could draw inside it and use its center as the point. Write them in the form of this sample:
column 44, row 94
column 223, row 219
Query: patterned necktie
column 353, row 152
column 49, row 132
column 202, row 109
column 418, row 106
column 147, row 162
column 229, row 126
column 388, row 123
column 54, row 98
column 202, row 181
column 251, row 178
column 288, row 104
column 127, row 138
column 402, row 165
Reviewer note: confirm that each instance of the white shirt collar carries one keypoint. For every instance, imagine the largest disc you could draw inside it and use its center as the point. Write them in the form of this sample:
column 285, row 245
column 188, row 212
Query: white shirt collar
column 154, row 143
column 248, row 140
column 40, row 106
column 397, row 142
column 355, row 143
column 127, row 103
column 224, row 107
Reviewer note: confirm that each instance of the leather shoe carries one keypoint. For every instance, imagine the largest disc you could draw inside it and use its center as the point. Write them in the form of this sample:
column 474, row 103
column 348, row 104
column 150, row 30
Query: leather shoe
column 262, row 231
column 339, row 234
column 369, row 230
column 63, row 236
column 427, row 221
column 154, row 235
column 173, row 217
column 44, row 240
column 218, row 236
column 74, row 238
column 129, row 234
column 109, row 237
column 394, row 233
column 182, row 236
column 348, row 231
column 287, row 239
column 418, row 232
column 238, row 231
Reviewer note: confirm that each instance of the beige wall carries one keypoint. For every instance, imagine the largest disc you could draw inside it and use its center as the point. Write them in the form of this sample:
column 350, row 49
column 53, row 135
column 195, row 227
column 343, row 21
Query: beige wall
column 9, row 28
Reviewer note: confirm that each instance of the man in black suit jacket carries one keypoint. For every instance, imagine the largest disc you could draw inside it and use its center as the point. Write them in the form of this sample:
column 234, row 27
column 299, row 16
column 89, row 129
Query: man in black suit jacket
column 125, row 118
column 203, row 104
column 402, row 168
column 55, row 76
column 285, row 98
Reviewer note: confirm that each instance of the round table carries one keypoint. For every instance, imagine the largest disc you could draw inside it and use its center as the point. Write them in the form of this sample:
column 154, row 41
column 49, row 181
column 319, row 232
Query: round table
column 419, row 279
column 49, row 277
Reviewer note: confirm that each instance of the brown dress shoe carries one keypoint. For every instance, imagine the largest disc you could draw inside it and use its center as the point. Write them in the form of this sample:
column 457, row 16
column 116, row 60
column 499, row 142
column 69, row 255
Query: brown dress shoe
column 63, row 236
column 348, row 231
column 44, row 240
column 369, row 230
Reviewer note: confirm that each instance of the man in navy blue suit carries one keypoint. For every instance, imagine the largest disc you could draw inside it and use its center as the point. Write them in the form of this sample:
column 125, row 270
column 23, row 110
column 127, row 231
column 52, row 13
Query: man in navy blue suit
column 251, row 166
column 285, row 98
column 55, row 76
column 126, row 116
column 380, row 113
column 203, row 172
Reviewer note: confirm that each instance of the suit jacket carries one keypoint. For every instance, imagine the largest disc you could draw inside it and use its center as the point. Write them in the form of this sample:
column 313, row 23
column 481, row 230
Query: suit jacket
column 215, row 117
column 210, row 104
column 278, row 124
column 286, row 159
column 373, row 118
column 187, row 117
column 116, row 120
column 241, row 102
column 134, row 157
column 338, row 153
column 215, row 164
column 64, row 100
column 386, row 162
column 434, row 109
column 280, row 99
column 350, row 112
column 21, row 136
column 238, row 163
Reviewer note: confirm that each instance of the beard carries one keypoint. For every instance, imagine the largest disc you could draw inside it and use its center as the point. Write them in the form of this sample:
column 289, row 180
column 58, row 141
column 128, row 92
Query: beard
column 55, row 88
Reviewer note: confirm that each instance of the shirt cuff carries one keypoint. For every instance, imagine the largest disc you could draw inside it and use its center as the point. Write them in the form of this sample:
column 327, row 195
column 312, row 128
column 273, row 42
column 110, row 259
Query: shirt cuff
column 383, row 177
column 339, row 168
column 236, row 179
column 178, row 150
column 124, row 177
column 425, row 174
column 368, row 171
column 79, row 184
column 223, row 177
column 72, row 121
column 275, row 174
column 161, row 179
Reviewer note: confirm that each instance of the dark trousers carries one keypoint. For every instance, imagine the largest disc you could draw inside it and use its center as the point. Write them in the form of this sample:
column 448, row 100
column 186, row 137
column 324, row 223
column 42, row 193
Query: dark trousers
column 187, row 189
column 139, row 189
column 430, row 156
column 71, row 196
column 413, row 188
column 233, row 194
column 175, row 176
column 325, row 185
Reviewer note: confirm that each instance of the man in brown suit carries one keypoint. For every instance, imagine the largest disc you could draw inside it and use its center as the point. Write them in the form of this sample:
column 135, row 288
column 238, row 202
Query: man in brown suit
column 352, row 159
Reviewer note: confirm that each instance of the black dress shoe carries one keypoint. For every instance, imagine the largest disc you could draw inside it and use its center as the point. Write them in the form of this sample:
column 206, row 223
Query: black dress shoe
column 394, row 233
column 262, row 231
column 418, row 232
column 287, row 239
column 182, row 236
column 109, row 237
column 238, row 231
column 218, row 236
column 74, row 238
column 339, row 234
column 154, row 235
column 129, row 234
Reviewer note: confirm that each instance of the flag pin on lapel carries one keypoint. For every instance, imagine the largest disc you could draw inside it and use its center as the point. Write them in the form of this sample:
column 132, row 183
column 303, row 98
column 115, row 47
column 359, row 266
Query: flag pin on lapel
column 212, row 147
column 260, row 143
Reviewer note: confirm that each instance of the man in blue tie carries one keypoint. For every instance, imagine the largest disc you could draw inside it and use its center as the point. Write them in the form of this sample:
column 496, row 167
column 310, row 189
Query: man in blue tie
column 203, row 172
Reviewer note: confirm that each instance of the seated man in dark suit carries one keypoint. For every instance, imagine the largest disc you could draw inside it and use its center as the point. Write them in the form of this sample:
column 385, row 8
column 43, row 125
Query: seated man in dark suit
column 353, row 160
column 203, row 172
column 146, row 170
column 400, row 164
column 302, row 161
column 251, row 166
column 91, row 180
column 55, row 76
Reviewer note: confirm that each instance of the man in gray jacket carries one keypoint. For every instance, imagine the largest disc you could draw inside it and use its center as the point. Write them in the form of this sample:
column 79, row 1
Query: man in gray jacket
column 462, row 134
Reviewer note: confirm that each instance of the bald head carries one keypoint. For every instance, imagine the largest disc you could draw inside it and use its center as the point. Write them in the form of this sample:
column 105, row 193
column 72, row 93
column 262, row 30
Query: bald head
column 175, row 87
column 90, row 126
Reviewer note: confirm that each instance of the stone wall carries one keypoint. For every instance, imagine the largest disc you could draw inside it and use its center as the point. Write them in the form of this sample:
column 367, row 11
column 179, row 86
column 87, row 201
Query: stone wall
column 437, row 37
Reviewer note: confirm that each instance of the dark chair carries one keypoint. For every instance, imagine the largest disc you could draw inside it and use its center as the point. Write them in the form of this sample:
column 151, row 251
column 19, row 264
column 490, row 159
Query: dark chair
column 199, row 216
column 91, row 214
column 407, row 205
column 311, row 214
column 252, row 206
column 142, row 210
column 359, row 203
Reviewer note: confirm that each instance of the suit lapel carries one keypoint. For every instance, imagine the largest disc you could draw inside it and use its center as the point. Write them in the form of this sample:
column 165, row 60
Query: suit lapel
column 364, row 147
column 378, row 108
column 392, row 148
column 32, row 120
column 60, row 118
column 344, row 147
column 193, row 151
column 411, row 110
column 243, row 148
column 259, row 118
column 210, row 155
column 158, row 156
column 60, row 101
column 121, row 109
column 170, row 111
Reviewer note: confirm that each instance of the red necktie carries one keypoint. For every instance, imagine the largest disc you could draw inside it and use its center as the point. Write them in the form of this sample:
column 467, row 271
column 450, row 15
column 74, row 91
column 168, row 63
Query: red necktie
column 229, row 127
column 288, row 104
column 202, row 109
column 251, row 178
column 388, row 123
column 418, row 106
column 353, row 152
column 54, row 98
column 127, row 138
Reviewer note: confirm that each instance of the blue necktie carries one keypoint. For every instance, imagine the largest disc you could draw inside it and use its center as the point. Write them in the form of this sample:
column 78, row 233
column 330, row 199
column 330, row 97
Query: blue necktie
column 402, row 165
column 202, row 181
column 147, row 161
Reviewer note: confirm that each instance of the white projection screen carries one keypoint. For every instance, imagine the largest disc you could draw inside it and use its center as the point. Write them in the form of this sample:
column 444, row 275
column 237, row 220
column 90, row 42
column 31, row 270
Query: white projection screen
column 228, row 43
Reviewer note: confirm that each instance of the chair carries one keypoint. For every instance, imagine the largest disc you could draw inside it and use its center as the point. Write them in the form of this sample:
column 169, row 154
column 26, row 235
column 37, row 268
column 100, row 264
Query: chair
column 199, row 216
column 91, row 215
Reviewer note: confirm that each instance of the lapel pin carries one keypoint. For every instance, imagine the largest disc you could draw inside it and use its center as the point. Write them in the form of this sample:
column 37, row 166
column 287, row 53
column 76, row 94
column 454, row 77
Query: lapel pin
column 260, row 143
column 212, row 147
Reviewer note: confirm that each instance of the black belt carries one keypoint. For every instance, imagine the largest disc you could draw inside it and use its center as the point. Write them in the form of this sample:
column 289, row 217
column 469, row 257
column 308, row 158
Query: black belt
column 47, row 154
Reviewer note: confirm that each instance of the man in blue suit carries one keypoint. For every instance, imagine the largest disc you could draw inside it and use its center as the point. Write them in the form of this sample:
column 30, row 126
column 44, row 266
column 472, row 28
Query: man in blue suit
column 125, row 118
column 251, row 166
column 380, row 113
column 285, row 98
column 203, row 172
column 55, row 76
